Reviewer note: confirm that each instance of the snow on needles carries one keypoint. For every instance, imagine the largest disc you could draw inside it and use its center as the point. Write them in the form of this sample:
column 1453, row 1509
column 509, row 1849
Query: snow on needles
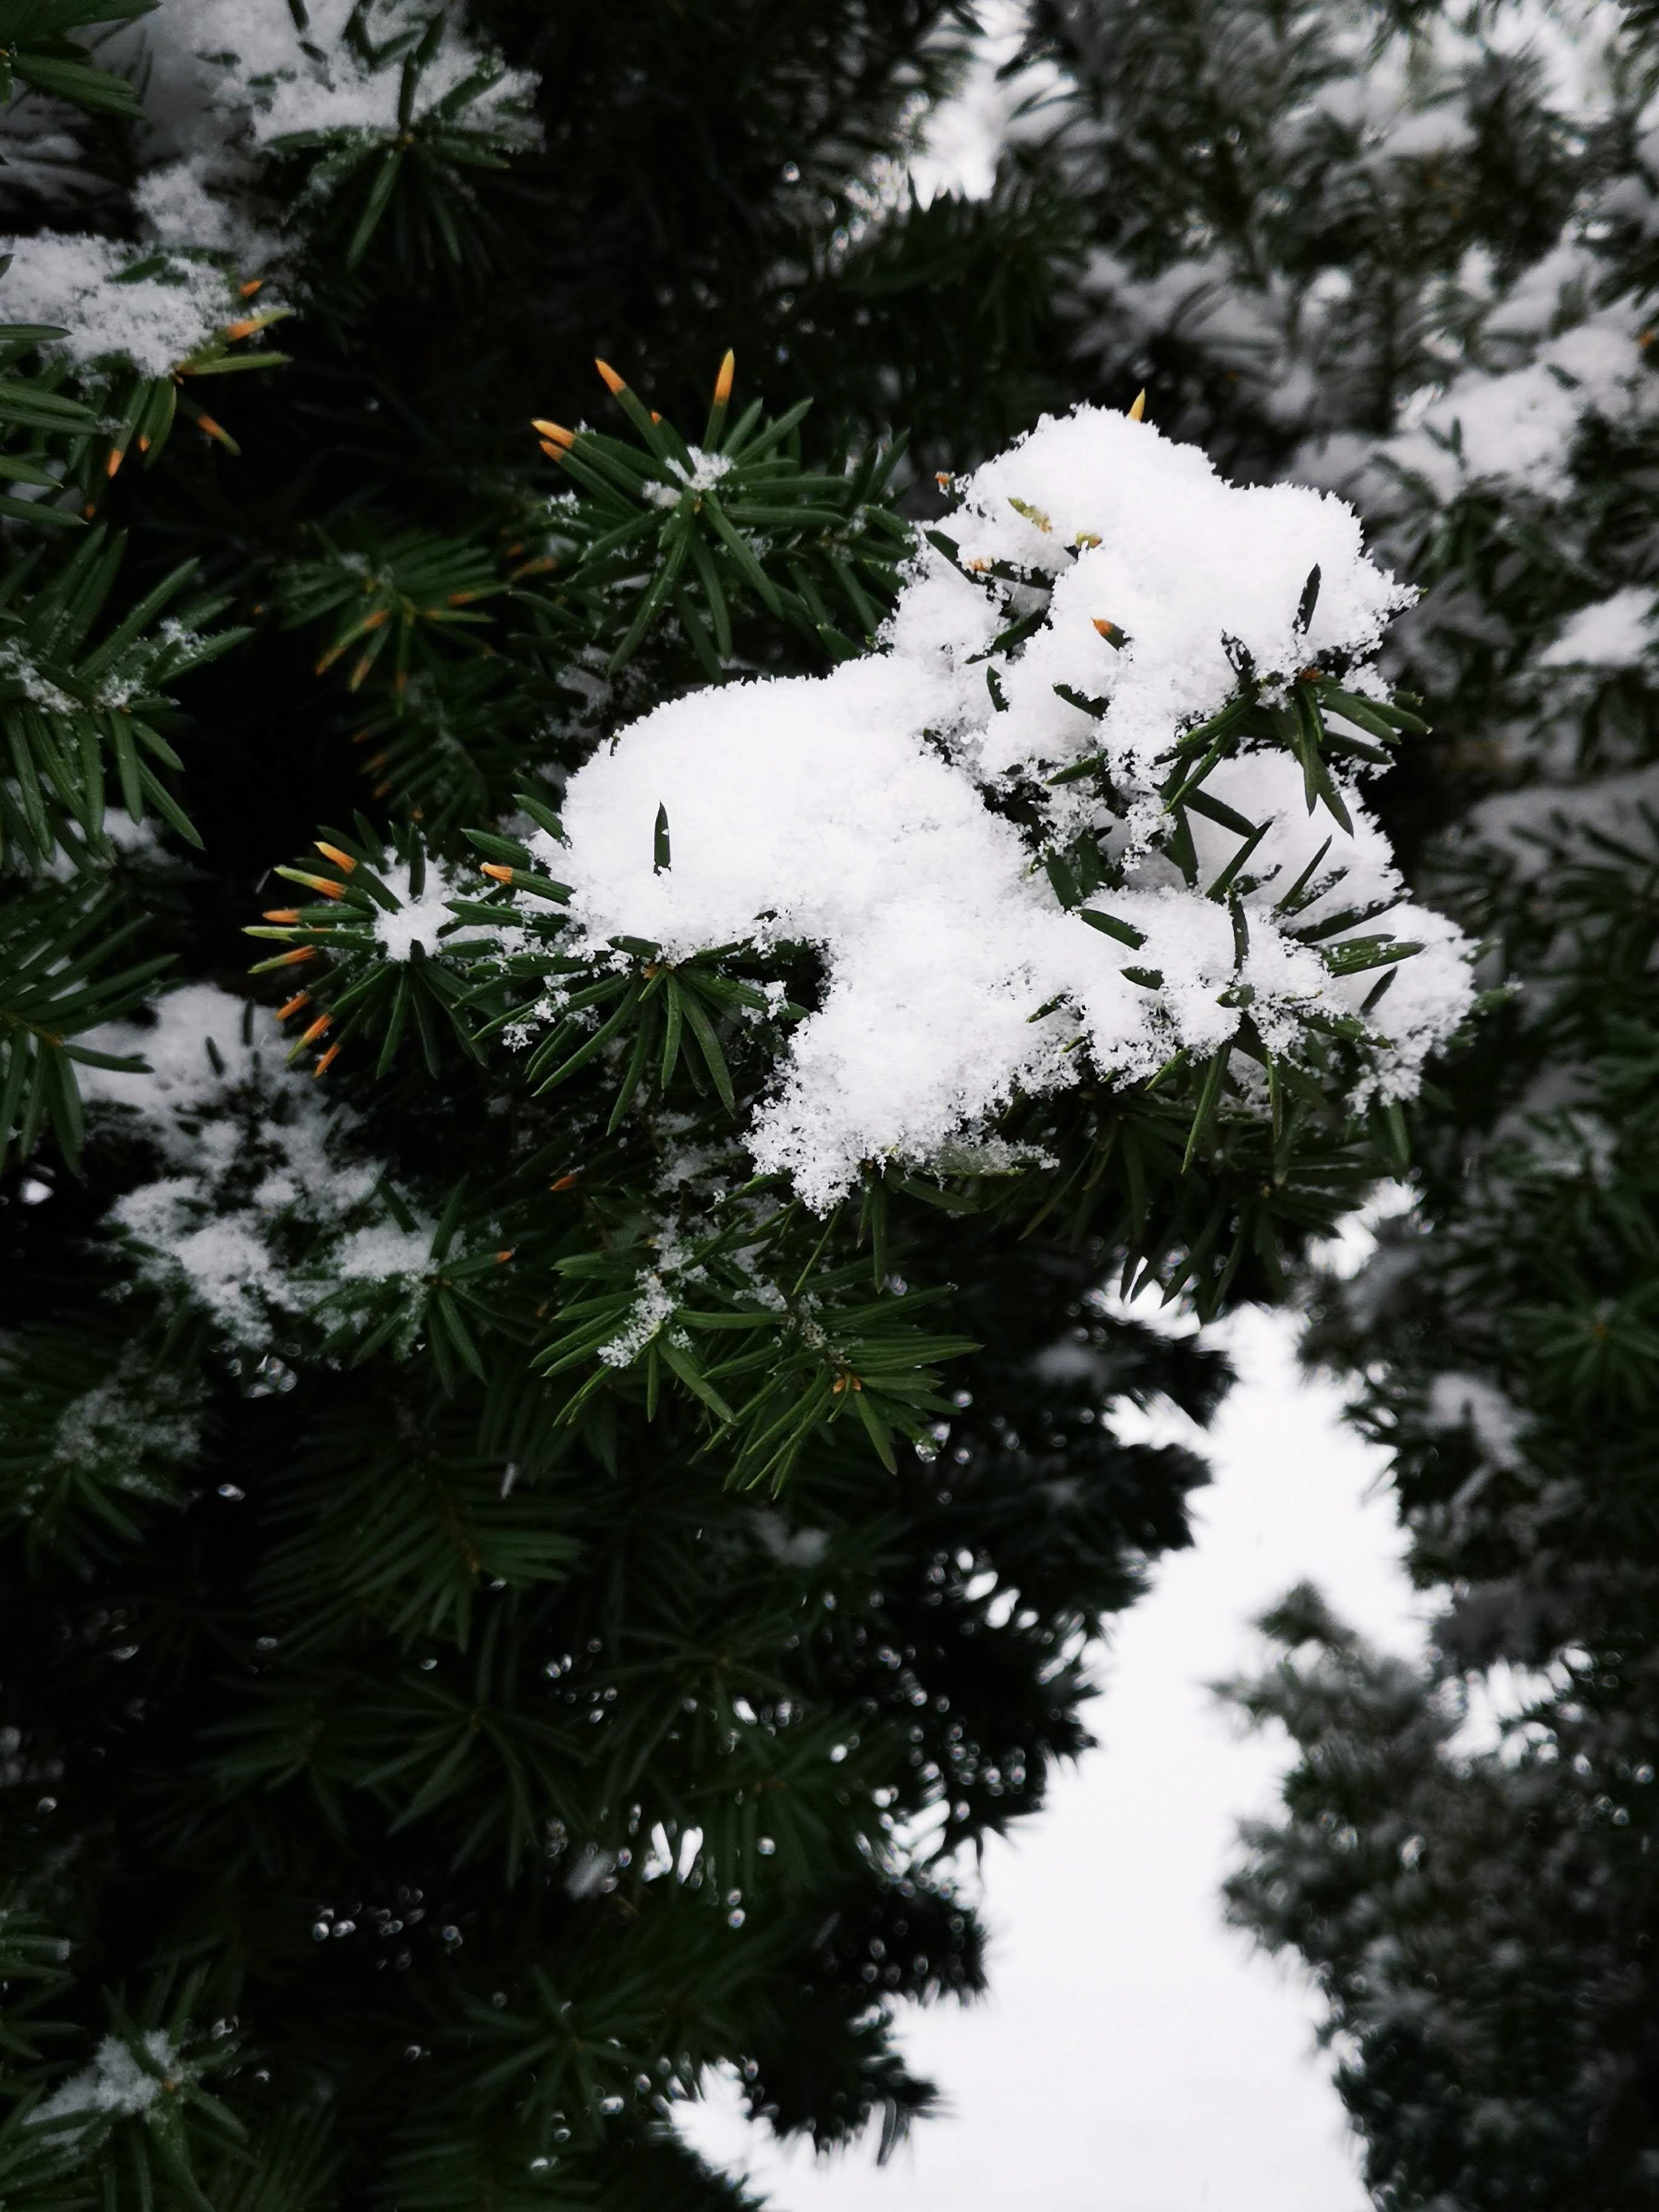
column 267, row 1203
column 856, row 810
column 420, row 915
column 74, row 284
column 115, row 2086
column 228, row 84
column 234, row 76
column 1612, row 633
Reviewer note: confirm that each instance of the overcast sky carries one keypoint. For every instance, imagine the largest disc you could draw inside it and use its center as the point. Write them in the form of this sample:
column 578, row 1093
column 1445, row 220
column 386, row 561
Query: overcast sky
column 1134, row 2055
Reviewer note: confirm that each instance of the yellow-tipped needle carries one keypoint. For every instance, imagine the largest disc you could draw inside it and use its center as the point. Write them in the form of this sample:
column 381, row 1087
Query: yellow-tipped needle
column 613, row 383
column 1138, row 410
column 723, row 381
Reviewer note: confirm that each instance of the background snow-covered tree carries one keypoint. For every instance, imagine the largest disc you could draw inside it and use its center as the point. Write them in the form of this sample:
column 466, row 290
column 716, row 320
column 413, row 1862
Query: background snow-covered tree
column 1408, row 252
column 557, row 1459
column 1489, row 1999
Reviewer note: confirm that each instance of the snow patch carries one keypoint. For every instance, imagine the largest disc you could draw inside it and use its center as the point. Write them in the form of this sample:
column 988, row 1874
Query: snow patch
column 266, row 1204
column 1457, row 1401
column 1614, row 633
column 420, row 915
column 852, row 811
column 73, row 284
column 116, row 2085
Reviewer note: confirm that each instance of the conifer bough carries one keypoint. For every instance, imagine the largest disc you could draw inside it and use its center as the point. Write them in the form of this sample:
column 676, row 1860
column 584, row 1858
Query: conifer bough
column 555, row 1514
column 799, row 949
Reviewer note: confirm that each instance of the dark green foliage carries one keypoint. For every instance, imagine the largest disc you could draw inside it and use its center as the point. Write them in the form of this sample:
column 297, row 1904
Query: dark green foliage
column 57, row 946
column 1470, row 1919
column 40, row 51
column 455, row 1741
column 425, row 1754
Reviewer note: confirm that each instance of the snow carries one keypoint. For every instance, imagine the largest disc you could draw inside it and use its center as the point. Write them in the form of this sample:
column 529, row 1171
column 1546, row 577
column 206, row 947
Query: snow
column 1427, row 134
column 115, row 2086
column 999, row 102
column 856, row 812
column 269, row 1202
column 381, row 1250
column 1458, row 1400
column 1523, row 823
column 70, row 283
column 1614, row 633
column 1199, row 297
column 651, row 1312
column 180, row 206
column 590, row 1873
column 420, row 915
column 225, row 1260
column 1520, row 425
column 1531, row 307
column 705, row 471
column 791, row 1547
column 226, row 84
column 242, row 72
column 1185, row 560
column 126, row 1418
column 17, row 667
column 181, row 1079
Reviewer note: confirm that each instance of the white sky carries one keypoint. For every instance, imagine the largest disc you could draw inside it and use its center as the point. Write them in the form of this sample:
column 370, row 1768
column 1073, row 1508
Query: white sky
column 1133, row 2055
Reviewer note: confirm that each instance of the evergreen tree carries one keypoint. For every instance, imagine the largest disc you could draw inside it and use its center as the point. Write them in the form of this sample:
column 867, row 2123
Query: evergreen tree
column 539, row 1519
column 1408, row 253
column 1477, row 1922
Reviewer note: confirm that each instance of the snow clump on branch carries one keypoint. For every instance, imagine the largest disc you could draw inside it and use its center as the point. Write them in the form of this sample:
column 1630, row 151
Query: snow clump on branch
column 230, row 82
column 80, row 286
column 895, row 814
column 267, row 1203
column 261, row 75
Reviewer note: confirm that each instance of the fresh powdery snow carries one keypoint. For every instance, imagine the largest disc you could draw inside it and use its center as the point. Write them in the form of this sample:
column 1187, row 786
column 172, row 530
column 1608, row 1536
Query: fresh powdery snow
column 705, row 471
column 194, row 204
column 115, row 2086
column 228, row 83
column 1612, row 633
column 72, row 283
column 856, row 810
column 241, row 75
column 1516, row 426
column 419, row 918
column 265, row 1204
